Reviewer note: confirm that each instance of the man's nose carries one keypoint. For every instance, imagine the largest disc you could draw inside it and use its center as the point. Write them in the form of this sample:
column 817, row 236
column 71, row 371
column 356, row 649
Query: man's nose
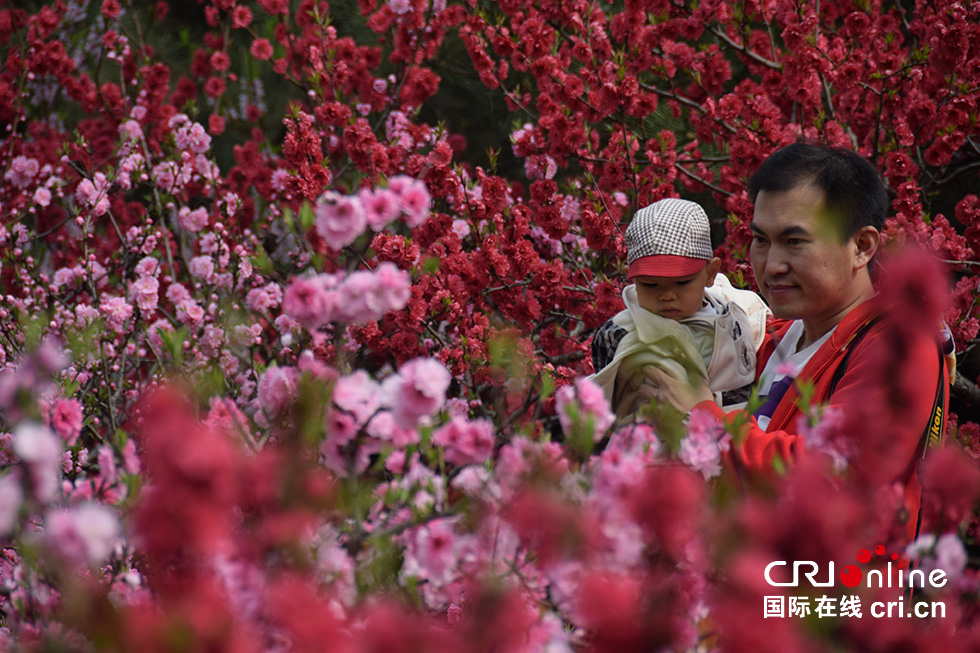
column 776, row 262
column 667, row 295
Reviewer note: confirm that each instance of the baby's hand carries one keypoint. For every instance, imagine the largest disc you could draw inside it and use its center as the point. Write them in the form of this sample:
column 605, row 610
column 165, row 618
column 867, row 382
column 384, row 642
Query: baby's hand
column 665, row 387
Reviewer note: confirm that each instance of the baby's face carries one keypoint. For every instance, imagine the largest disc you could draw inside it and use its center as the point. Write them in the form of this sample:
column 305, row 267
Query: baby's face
column 673, row 297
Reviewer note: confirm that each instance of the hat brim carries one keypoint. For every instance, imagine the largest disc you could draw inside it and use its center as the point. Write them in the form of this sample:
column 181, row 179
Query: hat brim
column 665, row 265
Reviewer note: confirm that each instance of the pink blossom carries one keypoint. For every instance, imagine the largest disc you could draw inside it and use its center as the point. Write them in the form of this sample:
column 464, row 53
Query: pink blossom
column 202, row 267
column 461, row 228
column 465, row 442
column 22, row 171
column 116, row 311
column 339, row 220
column 431, row 552
column 192, row 221
column 42, row 196
column 190, row 313
column 417, row 390
column 413, row 198
column 153, row 332
column 400, row 6
column 261, row 49
column 311, row 302
column 261, row 300
column 277, row 389
column 246, row 335
column 63, row 277
column 584, row 405
column 93, row 192
column 148, row 267
column 225, row 416
column 131, row 462
column 193, row 137
column 165, row 175
column 66, row 419
column 393, row 287
column 825, row 436
column 130, row 130
column 177, row 293
column 946, row 553
column 11, row 499
column 357, row 394
column 87, row 533
column 704, row 443
column 143, row 292
column 108, row 472
column 38, row 446
column 381, row 206
column 382, row 426
column 356, row 301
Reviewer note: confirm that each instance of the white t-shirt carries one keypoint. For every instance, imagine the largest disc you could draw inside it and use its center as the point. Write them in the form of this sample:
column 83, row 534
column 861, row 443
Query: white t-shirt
column 786, row 362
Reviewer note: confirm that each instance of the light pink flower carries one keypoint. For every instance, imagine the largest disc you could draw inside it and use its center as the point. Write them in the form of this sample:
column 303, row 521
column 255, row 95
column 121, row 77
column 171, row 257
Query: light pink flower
column 192, row 221
column 66, row 419
column 108, row 471
column 381, row 206
column 465, row 442
column 582, row 405
column 400, row 6
column 63, row 277
column 87, row 533
column 193, row 137
column 177, row 293
column 417, row 390
column 143, row 292
column 115, row 311
column 339, row 220
column 357, row 394
column 704, row 443
column 382, row 426
column 11, row 499
column 38, row 446
column 148, row 267
column 260, row 300
column 93, row 192
column 431, row 552
column 413, row 198
column 130, row 130
column 42, row 196
column 311, row 302
column 22, row 171
column 393, row 286
column 190, row 313
column 153, row 332
column 202, row 267
column 277, row 389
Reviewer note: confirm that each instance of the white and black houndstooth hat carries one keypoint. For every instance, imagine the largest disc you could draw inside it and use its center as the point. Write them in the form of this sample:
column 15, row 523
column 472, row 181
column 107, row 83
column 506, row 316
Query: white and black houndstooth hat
column 669, row 238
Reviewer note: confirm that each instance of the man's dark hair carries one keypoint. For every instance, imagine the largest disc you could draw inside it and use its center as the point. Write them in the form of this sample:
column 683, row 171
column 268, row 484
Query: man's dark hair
column 853, row 189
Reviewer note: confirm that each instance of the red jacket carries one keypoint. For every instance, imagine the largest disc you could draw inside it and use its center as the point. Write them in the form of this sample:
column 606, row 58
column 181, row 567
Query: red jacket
column 869, row 380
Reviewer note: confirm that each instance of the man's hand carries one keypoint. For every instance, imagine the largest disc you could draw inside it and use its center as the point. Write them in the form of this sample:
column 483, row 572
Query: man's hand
column 664, row 387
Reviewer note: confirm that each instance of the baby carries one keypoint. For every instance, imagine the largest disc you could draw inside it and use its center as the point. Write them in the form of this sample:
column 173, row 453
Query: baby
column 681, row 315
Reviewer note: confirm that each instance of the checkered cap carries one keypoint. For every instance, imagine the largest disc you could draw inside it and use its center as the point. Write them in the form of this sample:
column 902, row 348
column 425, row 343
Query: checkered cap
column 671, row 237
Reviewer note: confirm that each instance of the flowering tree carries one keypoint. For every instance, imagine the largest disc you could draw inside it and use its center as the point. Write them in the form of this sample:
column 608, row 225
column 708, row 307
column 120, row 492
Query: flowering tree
column 283, row 366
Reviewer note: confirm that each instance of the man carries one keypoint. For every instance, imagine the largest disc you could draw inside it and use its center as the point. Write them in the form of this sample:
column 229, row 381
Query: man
column 818, row 213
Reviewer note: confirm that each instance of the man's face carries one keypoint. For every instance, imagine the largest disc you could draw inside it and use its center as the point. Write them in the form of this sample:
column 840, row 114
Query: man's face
column 803, row 269
column 674, row 297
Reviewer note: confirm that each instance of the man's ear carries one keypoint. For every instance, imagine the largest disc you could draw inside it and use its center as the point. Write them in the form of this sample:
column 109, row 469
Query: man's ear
column 866, row 240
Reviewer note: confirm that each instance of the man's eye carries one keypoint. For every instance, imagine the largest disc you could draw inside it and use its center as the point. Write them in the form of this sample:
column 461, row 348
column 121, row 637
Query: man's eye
column 793, row 242
column 683, row 283
column 758, row 240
